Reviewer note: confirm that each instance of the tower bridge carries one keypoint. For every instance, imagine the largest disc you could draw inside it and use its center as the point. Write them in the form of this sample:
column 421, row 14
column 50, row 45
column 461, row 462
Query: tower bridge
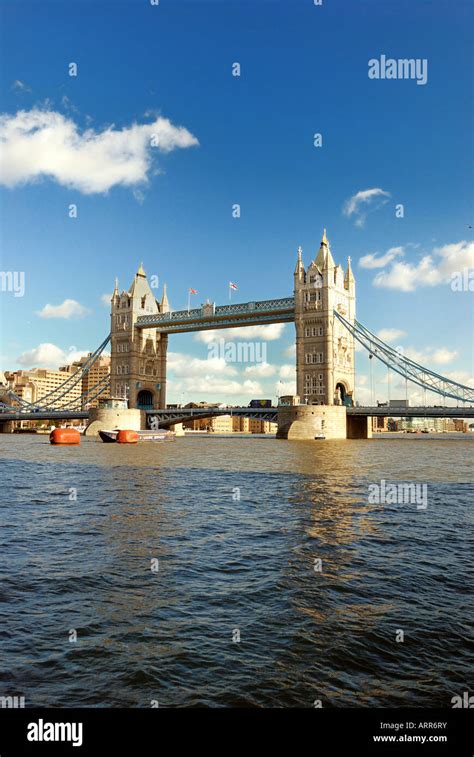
column 323, row 309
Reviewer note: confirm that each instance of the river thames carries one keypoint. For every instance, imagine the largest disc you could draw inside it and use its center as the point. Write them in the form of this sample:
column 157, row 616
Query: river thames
column 235, row 572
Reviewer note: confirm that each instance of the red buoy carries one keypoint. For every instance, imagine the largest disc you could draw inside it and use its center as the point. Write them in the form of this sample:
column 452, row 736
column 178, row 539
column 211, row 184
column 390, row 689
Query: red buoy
column 126, row 436
column 65, row 436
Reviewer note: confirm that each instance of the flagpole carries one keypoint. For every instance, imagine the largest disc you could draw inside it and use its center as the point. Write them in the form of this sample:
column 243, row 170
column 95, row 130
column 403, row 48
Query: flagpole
column 189, row 301
column 230, row 293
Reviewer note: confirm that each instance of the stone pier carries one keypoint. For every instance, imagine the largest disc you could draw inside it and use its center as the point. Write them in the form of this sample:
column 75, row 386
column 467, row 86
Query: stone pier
column 359, row 427
column 310, row 421
column 105, row 418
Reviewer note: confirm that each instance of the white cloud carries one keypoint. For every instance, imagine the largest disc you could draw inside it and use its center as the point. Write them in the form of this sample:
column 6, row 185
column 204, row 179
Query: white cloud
column 260, row 369
column 285, row 387
column 461, row 377
column 430, row 356
column 105, row 299
column 288, row 371
column 432, row 270
column 246, row 333
column 184, row 366
column 48, row 355
column 290, row 351
column 44, row 143
column 364, row 202
column 217, row 387
column 390, row 335
column 372, row 261
column 68, row 309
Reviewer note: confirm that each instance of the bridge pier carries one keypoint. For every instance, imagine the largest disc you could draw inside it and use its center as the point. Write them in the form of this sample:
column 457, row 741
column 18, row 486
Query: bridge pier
column 178, row 429
column 306, row 422
column 359, row 427
column 105, row 418
column 7, row 427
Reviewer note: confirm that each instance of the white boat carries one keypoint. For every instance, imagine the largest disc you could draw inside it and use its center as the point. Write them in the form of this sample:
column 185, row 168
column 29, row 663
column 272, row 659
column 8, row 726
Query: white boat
column 162, row 435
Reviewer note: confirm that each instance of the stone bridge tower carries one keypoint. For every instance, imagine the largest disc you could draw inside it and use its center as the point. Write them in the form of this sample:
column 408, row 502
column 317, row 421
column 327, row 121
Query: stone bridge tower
column 325, row 370
column 138, row 356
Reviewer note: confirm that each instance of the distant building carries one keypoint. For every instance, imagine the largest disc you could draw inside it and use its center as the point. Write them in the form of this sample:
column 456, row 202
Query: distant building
column 379, row 423
column 426, row 424
column 33, row 385
column 98, row 371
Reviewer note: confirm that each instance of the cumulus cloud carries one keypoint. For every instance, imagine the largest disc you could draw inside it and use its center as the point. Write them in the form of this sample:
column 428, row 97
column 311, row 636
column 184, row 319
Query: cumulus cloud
column 184, row 366
column 39, row 144
column 390, row 335
column 285, row 387
column 67, row 309
column 217, row 388
column 373, row 261
column 245, row 333
column 217, row 380
column 461, row 377
column 47, row 355
column 288, row 371
column 364, row 202
column 260, row 369
column 433, row 269
column 105, row 299
column 430, row 356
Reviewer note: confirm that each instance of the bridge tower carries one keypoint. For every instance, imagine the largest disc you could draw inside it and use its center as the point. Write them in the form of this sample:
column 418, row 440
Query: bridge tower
column 325, row 371
column 138, row 356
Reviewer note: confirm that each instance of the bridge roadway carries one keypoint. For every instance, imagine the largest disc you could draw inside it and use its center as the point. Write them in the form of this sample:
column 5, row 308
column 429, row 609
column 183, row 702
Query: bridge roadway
column 168, row 416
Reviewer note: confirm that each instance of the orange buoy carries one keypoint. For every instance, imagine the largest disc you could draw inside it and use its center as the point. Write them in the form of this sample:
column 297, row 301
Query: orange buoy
column 65, row 436
column 126, row 436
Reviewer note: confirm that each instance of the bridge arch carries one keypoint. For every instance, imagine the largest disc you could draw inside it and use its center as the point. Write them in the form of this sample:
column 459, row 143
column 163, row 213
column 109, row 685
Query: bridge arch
column 145, row 399
column 343, row 392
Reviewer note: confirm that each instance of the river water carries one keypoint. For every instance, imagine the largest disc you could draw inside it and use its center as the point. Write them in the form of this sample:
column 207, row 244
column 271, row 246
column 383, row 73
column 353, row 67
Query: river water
column 129, row 573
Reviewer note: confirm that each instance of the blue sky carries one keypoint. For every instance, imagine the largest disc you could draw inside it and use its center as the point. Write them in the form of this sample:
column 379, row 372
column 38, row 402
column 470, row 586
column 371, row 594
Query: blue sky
column 304, row 70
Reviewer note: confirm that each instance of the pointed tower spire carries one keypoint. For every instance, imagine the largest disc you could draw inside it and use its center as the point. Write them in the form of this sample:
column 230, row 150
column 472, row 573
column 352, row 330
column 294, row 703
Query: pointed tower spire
column 299, row 262
column 164, row 306
column 299, row 274
column 349, row 277
column 324, row 258
column 116, row 289
column 141, row 270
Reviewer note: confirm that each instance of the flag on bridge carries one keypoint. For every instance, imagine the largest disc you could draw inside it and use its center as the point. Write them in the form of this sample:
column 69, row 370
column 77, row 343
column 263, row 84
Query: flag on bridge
column 232, row 286
column 190, row 292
